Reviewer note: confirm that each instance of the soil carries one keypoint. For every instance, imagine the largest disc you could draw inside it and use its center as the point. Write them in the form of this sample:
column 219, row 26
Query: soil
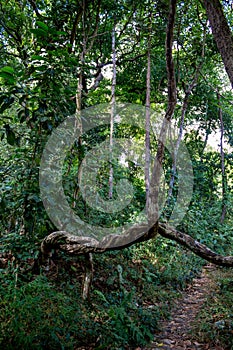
column 176, row 333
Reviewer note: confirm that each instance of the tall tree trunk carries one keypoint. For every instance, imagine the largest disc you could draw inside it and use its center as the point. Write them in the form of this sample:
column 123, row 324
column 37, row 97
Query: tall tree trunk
column 153, row 205
column 224, row 177
column 88, row 264
column 113, row 107
column 222, row 34
column 87, row 44
column 78, row 99
column 188, row 92
column 147, row 124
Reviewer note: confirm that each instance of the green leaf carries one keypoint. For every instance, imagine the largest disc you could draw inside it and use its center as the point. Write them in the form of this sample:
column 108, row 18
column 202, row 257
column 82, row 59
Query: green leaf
column 7, row 77
column 101, row 295
column 60, row 33
column 8, row 69
column 39, row 32
column 41, row 68
column 38, row 58
column 42, row 25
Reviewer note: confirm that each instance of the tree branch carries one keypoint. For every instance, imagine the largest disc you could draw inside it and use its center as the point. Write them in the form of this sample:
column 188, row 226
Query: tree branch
column 198, row 248
column 95, row 31
column 76, row 245
column 35, row 8
column 74, row 28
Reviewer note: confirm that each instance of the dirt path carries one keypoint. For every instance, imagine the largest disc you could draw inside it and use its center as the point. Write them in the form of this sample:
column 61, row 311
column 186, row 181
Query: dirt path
column 176, row 333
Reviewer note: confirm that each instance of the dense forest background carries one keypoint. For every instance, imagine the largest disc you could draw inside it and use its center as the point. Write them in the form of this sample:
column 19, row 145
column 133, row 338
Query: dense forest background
column 57, row 59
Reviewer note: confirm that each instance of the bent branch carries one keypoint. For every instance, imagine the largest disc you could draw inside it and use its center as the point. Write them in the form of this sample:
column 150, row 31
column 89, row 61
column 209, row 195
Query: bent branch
column 75, row 245
column 196, row 247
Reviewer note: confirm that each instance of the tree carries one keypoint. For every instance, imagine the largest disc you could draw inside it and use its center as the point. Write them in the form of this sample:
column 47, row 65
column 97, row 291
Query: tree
column 75, row 245
column 44, row 62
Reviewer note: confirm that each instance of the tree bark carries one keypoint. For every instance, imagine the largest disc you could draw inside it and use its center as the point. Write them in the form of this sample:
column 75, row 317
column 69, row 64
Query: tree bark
column 147, row 123
column 78, row 99
column 74, row 245
column 88, row 276
column 224, row 177
column 113, row 108
column 196, row 247
column 222, row 34
column 188, row 92
column 153, row 208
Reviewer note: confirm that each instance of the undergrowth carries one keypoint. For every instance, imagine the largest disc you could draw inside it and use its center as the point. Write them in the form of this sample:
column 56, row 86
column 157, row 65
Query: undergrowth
column 132, row 291
column 215, row 320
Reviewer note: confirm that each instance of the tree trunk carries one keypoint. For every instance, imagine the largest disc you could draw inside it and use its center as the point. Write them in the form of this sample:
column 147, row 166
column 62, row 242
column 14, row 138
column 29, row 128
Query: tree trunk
column 177, row 145
column 88, row 276
column 222, row 34
column 153, row 207
column 207, row 133
column 147, row 123
column 188, row 92
column 224, row 177
column 113, row 108
column 78, row 99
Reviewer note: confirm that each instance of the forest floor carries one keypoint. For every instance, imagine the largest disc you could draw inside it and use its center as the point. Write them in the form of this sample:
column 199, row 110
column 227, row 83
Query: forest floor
column 177, row 332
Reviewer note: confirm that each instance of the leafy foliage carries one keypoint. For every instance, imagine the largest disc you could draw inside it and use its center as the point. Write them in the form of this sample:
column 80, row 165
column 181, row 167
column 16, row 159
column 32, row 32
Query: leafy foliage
column 131, row 292
column 45, row 47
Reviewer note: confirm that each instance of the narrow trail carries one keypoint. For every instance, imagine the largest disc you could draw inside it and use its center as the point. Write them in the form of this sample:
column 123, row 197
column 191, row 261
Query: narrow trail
column 176, row 333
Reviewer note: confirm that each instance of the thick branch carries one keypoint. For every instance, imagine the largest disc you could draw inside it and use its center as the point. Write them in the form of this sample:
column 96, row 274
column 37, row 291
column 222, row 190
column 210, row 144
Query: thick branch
column 81, row 244
column 76, row 245
column 198, row 248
